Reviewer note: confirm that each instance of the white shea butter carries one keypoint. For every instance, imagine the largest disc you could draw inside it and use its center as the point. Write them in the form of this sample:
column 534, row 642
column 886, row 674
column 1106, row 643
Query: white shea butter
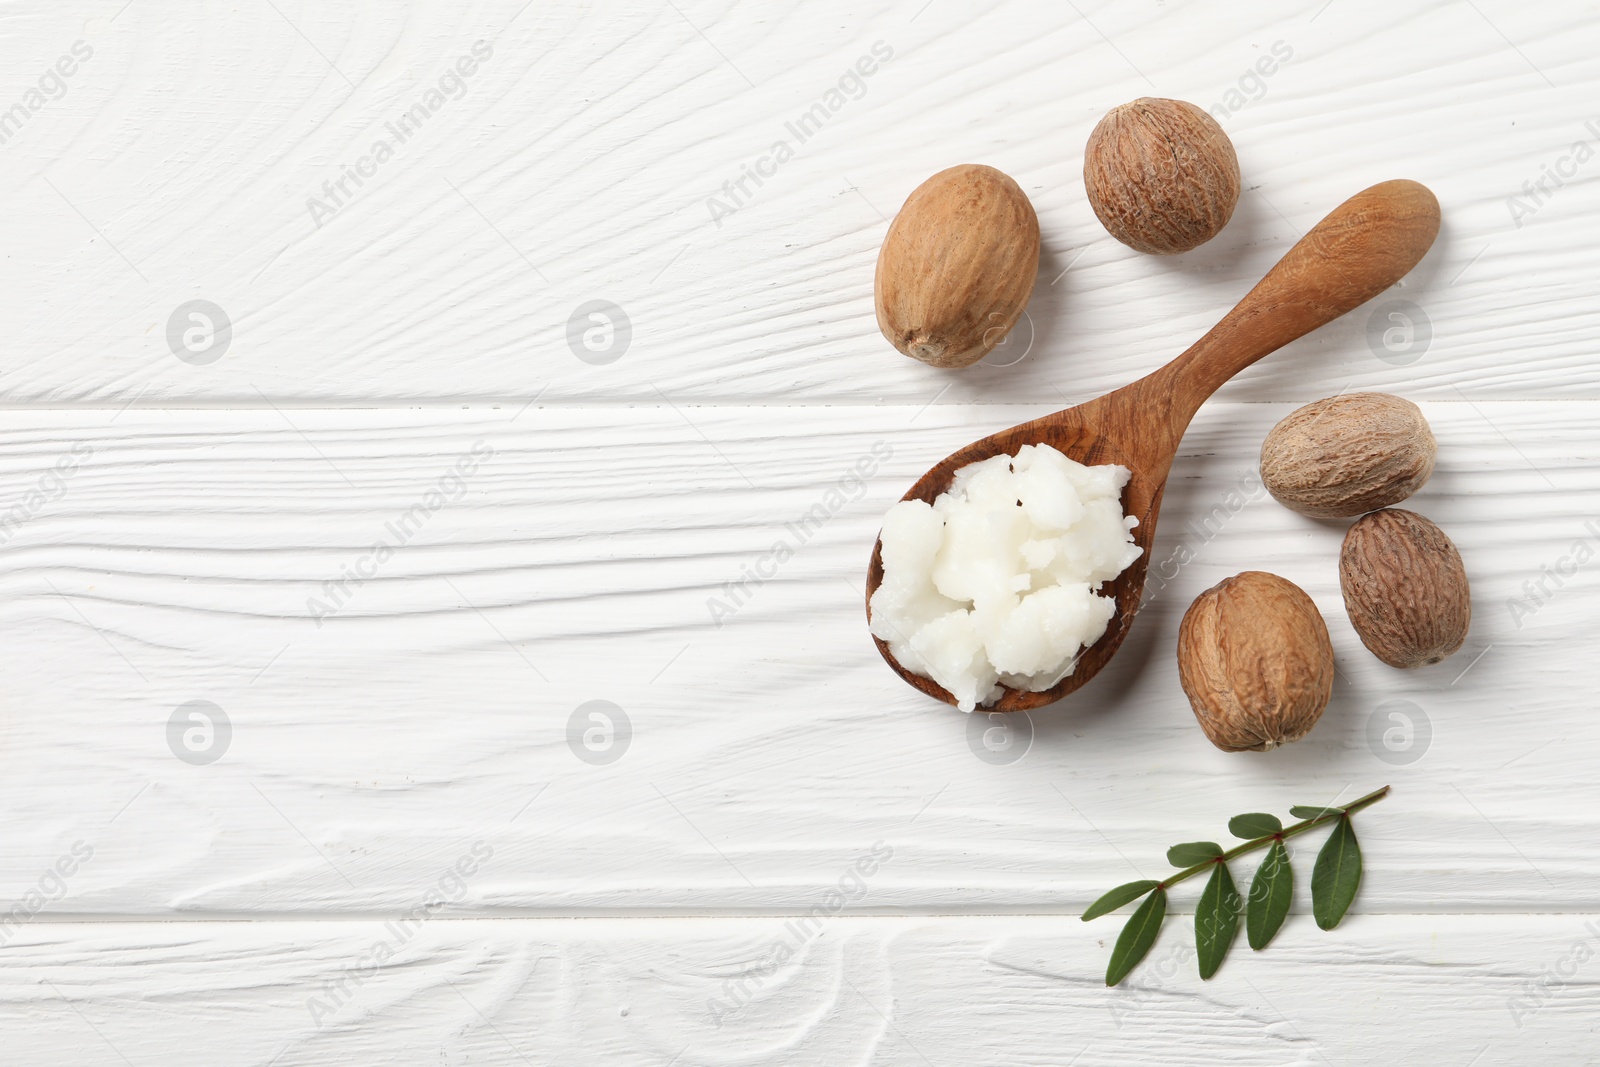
column 997, row 582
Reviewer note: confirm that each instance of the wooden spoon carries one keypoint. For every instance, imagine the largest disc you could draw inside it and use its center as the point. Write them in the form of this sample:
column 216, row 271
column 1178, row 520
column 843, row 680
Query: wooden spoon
column 1364, row 246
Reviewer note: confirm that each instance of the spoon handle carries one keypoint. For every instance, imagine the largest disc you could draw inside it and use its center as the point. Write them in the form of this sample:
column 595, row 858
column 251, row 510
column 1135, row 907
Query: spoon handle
column 1365, row 245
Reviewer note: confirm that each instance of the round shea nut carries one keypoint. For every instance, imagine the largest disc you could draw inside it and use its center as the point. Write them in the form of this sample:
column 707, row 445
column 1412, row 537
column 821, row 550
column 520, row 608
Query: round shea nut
column 1161, row 175
column 1348, row 455
column 1255, row 661
column 1405, row 588
column 957, row 266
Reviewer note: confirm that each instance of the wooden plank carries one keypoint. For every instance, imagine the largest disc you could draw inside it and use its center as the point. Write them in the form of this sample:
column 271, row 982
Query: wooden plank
column 444, row 700
column 187, row 155
column 1020, row 990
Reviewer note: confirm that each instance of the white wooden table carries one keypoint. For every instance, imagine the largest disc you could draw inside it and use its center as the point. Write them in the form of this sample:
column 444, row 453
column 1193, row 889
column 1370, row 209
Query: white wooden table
column 402, row 513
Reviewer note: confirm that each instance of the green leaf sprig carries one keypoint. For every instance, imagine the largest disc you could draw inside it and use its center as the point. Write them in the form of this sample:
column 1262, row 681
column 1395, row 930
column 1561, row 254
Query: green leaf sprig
column 1334, row 881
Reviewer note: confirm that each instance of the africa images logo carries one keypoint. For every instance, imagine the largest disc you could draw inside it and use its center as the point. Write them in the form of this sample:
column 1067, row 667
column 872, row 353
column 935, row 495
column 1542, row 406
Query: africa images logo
column 338, row 192
column 52, row 85
column 852, row 85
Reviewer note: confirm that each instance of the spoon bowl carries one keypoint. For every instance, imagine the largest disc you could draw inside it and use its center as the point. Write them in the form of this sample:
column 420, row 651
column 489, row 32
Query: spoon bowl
column 1360, row 249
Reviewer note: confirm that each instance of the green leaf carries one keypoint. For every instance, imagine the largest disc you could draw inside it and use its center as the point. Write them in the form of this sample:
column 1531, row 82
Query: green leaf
column 1336, row 876
column 1137, row 937
column 1117, row 898
column 1271, row 892
column 1216, row 920
column 1192, row 852
column 1254, row 825
column 1300, row 811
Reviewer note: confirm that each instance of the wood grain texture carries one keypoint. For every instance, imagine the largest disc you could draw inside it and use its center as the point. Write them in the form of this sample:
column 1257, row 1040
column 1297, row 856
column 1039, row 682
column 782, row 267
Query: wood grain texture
column 622, row 555
column 581, row 162
column 486, row 569
column 1021, row 990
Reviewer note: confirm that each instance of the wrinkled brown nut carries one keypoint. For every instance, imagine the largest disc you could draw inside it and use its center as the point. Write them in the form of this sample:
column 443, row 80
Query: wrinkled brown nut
column 1161, row 175
column 957, row 266
column 1256, row 662
column 1405, row 588
column 1348, row 455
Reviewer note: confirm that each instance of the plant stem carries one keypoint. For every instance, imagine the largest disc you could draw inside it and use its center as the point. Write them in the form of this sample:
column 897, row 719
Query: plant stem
column 1288, row 831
